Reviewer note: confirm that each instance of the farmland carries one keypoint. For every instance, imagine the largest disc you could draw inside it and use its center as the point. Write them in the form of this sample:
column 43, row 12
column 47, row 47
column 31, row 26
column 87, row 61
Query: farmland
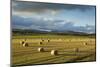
column 66, row 46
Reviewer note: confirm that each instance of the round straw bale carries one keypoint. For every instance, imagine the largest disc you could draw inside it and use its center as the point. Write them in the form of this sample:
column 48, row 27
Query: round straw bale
column 85, row 43
column 41, row 49
column 54, row 52
column 25, row 44
column 48, row 40
column 22, row 42
column 76, row 49
column 40, row 42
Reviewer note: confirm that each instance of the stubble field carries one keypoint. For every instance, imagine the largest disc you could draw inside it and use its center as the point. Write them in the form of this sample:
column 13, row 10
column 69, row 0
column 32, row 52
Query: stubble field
column 69, row 49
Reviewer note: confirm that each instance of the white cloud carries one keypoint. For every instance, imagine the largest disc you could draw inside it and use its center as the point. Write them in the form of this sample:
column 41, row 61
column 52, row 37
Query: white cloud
column 48, row 19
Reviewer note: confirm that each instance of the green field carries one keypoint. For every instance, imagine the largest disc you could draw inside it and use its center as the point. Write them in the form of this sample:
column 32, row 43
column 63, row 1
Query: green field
column 64, row 44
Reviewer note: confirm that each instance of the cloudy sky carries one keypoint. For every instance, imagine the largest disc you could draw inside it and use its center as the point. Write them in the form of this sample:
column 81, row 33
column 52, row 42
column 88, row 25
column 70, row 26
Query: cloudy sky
column 48, row 17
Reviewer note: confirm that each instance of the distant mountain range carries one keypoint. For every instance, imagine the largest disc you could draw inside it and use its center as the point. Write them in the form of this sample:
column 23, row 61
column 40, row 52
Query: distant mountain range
column 50, row 32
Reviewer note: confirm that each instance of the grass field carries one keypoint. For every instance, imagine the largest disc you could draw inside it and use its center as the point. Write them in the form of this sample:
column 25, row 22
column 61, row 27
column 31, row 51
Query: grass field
column 64, row 44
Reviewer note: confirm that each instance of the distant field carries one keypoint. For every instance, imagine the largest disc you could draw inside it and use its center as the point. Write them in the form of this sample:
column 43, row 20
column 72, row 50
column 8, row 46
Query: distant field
column 64, row 44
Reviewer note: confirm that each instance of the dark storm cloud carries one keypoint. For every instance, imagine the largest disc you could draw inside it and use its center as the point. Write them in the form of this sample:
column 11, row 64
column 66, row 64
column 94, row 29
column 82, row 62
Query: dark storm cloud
column 22, row 16
column 40, row 24
column 35, row 22
column 16, row 20
column 41, row 7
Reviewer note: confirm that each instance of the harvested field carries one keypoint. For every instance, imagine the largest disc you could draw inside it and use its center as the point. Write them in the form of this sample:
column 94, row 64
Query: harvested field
column 69, row 48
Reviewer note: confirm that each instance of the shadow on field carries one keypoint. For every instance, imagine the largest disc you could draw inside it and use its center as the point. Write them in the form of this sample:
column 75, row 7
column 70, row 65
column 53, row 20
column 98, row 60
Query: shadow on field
column 38, row 61
column 22, row 53
column 48, row 58
column 81, row 58
column 43, row 46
